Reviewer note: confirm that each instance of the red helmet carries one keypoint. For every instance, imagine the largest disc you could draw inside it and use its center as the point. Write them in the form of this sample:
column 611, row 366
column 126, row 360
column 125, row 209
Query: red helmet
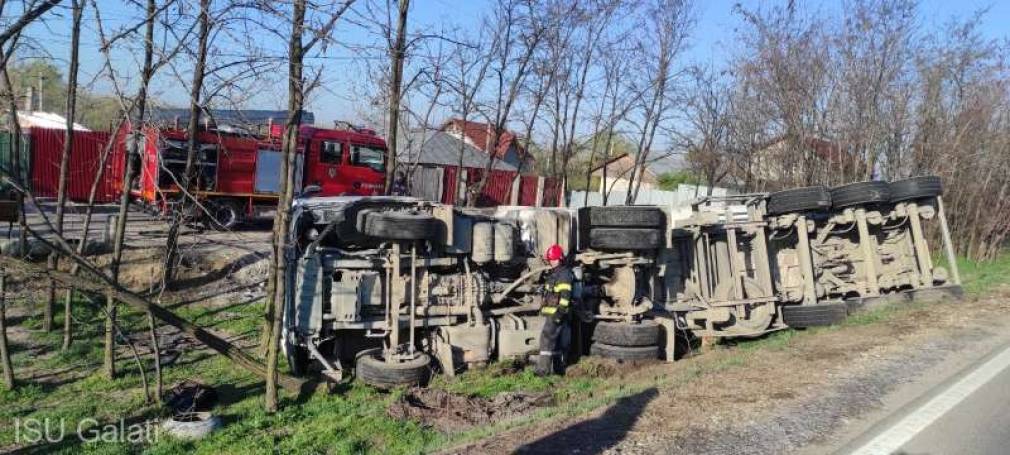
column 554, row 253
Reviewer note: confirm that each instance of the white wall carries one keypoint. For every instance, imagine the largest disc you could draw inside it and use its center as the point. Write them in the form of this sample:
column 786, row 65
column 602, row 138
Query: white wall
column 648, row 196
column 619, row 184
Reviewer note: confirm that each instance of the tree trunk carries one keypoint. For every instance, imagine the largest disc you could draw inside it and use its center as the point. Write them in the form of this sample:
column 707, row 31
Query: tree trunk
column 109, row 353
column 396, row 55
column 68, row 146
column 5, row 354
column 129, row 174
column 296, row 100
column 156, row 353
column 192, row 132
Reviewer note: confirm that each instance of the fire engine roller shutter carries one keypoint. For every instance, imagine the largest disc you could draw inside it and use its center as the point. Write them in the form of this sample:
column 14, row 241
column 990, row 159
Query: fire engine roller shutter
column 268, row 165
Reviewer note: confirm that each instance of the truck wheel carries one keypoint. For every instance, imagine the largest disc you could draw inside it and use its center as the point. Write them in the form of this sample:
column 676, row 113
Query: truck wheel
column 645, row 333
column 191, row 426
column 915, row 188
column 860, row 193
column 373, row 370
column 402, row 225
column 223, row 215
column 625, row 238
column 622, row 216
column 820, row 314
column 624, row 352
column 799, row 200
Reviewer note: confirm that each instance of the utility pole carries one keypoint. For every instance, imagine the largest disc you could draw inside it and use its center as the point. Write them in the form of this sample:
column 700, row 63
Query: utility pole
column 42, row 80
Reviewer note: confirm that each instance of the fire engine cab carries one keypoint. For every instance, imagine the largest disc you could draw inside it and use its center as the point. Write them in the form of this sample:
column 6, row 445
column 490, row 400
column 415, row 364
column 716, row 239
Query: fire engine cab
column 238, row 172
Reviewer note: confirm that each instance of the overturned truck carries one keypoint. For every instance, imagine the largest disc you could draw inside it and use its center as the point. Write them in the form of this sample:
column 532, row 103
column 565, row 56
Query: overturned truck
column 395, row 288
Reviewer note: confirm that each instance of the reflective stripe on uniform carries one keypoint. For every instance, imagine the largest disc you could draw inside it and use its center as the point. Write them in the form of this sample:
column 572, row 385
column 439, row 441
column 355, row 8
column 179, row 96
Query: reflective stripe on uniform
column 563, row 302
column 562, row 287
column 548, row 310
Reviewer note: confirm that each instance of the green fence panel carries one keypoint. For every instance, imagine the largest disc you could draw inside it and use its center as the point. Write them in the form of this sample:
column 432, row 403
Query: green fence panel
column 7, row 159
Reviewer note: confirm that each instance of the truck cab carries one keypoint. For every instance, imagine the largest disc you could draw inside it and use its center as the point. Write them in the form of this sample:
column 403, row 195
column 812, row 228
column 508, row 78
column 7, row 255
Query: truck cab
column 344, row 162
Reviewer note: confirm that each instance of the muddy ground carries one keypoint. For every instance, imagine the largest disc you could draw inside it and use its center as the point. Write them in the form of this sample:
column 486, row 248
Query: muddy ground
column 787, row 397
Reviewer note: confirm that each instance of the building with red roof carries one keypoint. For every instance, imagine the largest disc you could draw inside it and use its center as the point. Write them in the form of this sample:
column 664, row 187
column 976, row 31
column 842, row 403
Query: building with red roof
column 481, row 136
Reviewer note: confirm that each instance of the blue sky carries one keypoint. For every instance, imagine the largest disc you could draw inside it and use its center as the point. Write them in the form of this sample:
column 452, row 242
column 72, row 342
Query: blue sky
column 712, row 42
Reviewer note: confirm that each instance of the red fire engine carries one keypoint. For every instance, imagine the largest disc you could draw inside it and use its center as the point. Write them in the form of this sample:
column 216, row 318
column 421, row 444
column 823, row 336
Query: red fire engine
column 238, row 173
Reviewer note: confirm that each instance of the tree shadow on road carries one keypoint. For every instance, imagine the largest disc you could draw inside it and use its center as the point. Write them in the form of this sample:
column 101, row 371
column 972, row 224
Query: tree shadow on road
column 598, row 434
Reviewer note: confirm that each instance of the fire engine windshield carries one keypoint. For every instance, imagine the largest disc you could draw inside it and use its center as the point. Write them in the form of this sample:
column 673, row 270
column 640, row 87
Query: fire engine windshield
column 374, row 158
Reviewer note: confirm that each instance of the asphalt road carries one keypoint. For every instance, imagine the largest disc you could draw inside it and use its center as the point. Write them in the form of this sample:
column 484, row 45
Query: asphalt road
column 966, row 414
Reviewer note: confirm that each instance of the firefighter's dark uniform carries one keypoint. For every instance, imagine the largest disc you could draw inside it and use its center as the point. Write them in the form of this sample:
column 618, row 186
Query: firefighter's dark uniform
column 557, row 313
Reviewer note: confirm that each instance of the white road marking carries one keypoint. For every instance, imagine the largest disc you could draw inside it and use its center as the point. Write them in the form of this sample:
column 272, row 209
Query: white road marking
column 891, row 439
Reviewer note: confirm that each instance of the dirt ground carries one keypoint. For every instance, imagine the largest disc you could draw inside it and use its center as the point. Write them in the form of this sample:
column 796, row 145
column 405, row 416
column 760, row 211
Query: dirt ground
column 216, row 267
column 775, row 400
column 217, row 270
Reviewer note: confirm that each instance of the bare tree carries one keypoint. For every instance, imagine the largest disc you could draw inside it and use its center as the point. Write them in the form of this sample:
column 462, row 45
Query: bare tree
column 189, row 176
column 297, row 88
column 516, row 38
column 708, row 116
column 397, row 49
column 8, row 42
column 77, row 7
column 32, row 11
column 790, row 81
column 5, row 354
column 667, row 22
column 131, row 164
column 296, row 95
column 470, row 65
column 593, row 23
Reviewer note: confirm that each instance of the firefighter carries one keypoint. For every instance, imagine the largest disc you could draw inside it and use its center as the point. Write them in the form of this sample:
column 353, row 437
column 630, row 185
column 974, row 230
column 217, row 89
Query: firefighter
column 556, row 309
column 399, row 186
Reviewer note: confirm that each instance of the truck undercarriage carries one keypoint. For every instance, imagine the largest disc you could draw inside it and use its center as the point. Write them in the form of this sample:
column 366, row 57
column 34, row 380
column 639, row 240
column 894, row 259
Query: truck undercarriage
column 396, row 287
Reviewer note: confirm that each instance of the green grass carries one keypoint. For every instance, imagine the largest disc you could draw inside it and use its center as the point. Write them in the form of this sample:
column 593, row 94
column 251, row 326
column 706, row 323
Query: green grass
column 981, row 276
column 354, row 421
column 496, row 378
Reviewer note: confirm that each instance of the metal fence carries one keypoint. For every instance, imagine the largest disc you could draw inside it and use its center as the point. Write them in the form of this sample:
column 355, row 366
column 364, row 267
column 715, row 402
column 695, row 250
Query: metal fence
column 439, row 183
column 7, row 158
column 85, row 159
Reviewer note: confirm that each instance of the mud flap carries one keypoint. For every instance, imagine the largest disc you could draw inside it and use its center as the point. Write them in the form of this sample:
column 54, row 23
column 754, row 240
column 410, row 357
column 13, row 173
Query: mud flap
column 668, row 335
column 308, row 299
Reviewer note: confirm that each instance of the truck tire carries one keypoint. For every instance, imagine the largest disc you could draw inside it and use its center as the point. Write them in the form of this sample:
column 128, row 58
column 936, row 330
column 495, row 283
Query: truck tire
column 860, row 193
column 799, row 200
column 622, row 216
column 916, row 188
column 191, row 426
column 820, row 314
column 223, row 215
column 644, row 333
column 373, row 370
column 624, row 352
column 625, row 238
column 400, row 225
